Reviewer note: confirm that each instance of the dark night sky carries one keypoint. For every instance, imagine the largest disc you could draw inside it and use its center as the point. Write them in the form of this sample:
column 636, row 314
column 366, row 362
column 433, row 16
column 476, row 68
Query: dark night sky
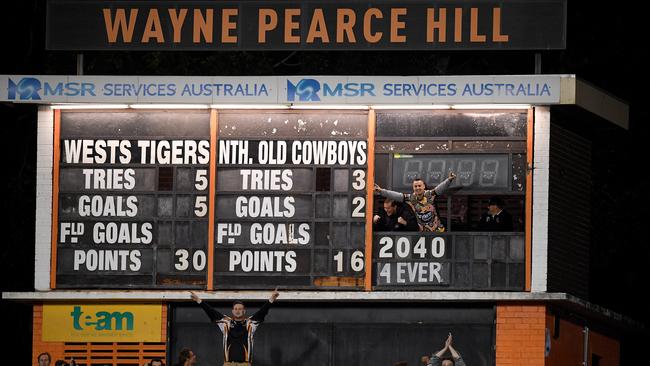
column 604, row 48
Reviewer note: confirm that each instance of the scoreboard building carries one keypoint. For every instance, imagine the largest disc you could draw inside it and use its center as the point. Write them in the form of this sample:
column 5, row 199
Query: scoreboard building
column 151, row 187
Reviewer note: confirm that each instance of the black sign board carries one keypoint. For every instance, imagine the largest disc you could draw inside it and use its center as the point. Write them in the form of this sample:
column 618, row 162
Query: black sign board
column 487, row 152
column 133, row 200
column 290, row 199
column 352, row 333
column 449, row 261
column 308, row 25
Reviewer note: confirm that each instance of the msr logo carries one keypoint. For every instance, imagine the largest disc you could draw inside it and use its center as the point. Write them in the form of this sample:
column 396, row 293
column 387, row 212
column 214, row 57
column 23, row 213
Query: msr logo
column 102, row 320
column 306, row 90
column 26, row 88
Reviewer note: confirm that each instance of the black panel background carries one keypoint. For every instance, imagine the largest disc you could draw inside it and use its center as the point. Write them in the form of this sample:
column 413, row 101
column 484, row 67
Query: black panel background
column 169, row 232
column 344, row 334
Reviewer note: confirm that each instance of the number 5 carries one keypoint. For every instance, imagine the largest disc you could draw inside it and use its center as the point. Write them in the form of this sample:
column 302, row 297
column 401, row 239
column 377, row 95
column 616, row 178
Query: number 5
column 201, row 180
column 200, row 206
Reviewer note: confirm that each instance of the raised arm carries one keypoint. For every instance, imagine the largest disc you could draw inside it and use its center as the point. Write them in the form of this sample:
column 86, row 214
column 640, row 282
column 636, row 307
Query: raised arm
column 458, row 361
column 212, row 313
column 395, row 196
column 261, row 313
column 436, row 358
column 442, row 187
column 440, row 353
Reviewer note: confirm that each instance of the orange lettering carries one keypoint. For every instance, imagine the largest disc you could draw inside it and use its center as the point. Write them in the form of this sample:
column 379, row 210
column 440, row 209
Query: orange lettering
column 396, row 25
column 345, row 19
column 202, row 26
column 113, row 27
column 227, row 25
column 264, row 25
column 458, row 25
column 473, row 25
column 318, row 28
column 440, row 25
column 153, row 28
column 290, row 25
column 367, row 24
column 496, row 27
column 177, row 23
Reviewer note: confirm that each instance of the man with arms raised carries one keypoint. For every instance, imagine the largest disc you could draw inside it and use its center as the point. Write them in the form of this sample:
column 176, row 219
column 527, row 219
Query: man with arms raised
column 237, row 329
column 423, row 202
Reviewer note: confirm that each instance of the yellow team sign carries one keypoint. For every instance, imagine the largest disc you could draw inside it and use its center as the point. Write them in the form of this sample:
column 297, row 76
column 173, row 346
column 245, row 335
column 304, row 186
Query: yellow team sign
column 102, row 323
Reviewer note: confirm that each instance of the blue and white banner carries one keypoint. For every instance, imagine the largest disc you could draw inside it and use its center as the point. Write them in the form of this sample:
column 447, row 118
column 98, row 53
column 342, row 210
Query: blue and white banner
column 501, row 89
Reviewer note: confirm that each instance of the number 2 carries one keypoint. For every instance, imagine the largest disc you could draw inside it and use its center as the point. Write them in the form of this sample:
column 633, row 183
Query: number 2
column 358, row 210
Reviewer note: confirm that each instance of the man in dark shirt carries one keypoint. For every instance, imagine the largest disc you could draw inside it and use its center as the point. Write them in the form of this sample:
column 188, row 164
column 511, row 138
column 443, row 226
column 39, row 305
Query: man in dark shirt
column 497, row 218
column 394, row 217
column 237, row 330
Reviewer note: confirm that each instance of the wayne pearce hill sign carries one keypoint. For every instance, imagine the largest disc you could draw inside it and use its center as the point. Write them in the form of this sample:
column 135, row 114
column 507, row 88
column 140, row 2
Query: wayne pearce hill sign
column 308, row 25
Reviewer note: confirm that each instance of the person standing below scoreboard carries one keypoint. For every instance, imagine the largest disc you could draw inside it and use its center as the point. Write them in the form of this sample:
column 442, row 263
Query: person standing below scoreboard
column 422, row 201
column 237, row 330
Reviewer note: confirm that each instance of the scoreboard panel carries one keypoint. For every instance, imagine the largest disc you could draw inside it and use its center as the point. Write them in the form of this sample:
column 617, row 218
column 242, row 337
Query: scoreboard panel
column 133, row 199
column 487, row 151
column 290, row 187
column 291, row 199
column 485, row 261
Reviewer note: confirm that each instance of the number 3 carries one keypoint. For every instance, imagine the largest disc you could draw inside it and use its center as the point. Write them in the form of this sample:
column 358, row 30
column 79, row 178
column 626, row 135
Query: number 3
column 359, row 182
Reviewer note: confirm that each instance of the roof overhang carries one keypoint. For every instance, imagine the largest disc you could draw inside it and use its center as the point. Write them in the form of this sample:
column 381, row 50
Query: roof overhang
column 563, row 300
column 595, row 100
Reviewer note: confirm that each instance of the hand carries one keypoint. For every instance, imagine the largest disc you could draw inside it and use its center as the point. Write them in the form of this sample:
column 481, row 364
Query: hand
column 448, row 341
column 452, row 175
column 377, row 187
column 195, row 297
column 274, row 295
column 375, row 218
column 401, row 221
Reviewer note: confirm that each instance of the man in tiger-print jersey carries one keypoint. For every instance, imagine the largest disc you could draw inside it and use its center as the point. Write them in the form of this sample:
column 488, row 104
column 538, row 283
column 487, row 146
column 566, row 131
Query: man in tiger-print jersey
column 423, row 202
column 237, row 330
